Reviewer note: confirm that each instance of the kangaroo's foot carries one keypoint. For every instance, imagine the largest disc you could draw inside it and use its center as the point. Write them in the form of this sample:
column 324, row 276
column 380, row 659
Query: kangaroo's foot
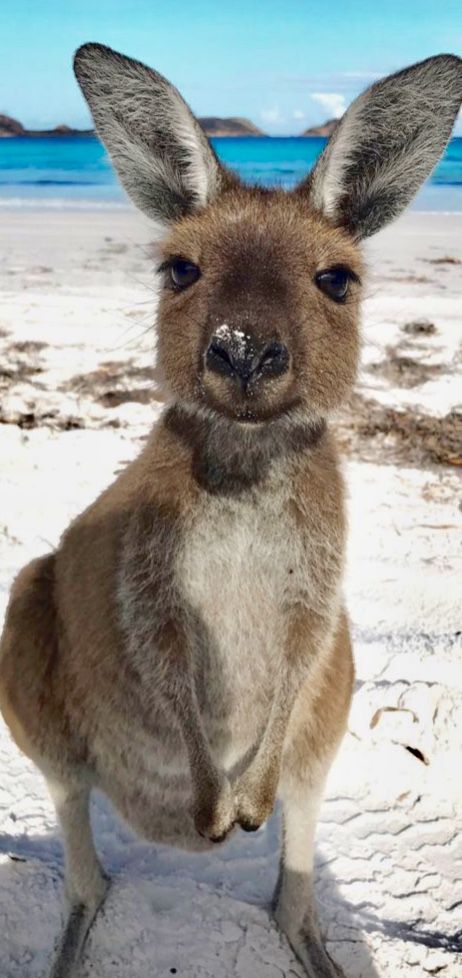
column 86, row 884
column 76, row 929
column 307, row 943
column 294, row 905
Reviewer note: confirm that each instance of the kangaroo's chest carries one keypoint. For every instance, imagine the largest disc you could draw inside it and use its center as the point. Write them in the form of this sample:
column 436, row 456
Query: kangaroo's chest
column 241, row 565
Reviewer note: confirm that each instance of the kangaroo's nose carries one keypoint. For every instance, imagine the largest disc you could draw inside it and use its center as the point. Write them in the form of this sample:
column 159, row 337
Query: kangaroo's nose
column 236, row 355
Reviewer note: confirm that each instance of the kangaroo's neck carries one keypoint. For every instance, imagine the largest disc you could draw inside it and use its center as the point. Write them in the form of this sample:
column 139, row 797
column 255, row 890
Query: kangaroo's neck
column 229, row 458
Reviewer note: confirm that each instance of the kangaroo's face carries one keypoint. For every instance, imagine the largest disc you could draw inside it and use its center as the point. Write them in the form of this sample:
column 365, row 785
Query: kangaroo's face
column 259, row 308
column 259, row 301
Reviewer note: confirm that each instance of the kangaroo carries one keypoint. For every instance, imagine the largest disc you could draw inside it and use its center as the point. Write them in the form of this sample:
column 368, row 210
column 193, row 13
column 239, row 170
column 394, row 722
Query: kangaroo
column 186, row 647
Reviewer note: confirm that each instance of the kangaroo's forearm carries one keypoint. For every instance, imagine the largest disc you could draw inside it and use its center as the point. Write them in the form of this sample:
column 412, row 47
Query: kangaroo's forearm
column 212, row 803
column 306, row 634
column 161, row 650
column 177, row 688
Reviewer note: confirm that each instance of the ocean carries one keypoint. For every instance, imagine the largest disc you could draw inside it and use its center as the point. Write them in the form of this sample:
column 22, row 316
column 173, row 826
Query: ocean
column 75, row 171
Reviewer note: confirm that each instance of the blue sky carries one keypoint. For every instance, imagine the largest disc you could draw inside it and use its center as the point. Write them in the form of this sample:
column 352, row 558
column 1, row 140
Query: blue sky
column 285, row 64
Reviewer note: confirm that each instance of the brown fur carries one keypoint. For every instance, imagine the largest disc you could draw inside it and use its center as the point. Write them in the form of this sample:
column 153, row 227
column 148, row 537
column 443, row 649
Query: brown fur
column 266, row 246
column 186, row 648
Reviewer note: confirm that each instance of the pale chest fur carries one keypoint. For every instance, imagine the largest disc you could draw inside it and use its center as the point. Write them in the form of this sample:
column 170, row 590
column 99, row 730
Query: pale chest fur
column 244, row 564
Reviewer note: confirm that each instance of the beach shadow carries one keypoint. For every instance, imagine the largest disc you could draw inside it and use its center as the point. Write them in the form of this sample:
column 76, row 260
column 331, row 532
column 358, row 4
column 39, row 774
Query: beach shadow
column 146, row 879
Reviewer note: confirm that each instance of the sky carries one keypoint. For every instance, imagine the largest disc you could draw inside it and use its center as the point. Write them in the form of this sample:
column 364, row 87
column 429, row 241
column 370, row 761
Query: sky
column 284, row 64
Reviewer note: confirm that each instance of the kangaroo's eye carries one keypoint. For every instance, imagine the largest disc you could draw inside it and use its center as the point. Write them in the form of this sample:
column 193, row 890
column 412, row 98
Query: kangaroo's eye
column 335, row 282
column 182, row 273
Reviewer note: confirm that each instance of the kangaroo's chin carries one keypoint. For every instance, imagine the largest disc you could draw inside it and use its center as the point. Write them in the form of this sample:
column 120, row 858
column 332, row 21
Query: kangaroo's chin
column 250, row 414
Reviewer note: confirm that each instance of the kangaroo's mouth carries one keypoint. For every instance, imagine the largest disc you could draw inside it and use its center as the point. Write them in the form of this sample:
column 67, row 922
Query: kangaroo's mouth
column 246, row 410
column 251, row 402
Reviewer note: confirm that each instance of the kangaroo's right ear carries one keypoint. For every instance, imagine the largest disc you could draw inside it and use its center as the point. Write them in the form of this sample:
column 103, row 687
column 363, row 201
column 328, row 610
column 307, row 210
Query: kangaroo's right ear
column 163, row 158
column 386, row 145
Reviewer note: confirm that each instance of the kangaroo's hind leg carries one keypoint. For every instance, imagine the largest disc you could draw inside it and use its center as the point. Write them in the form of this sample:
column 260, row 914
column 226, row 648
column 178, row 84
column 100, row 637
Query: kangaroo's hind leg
column 294, row 904
column 86, row 884
column 317, row 725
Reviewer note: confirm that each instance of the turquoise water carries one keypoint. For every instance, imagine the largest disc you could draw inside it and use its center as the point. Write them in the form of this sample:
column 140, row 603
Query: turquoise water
column 76, row 172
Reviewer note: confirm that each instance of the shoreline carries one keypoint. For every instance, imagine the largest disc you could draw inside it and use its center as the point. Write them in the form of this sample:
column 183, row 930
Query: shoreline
column 114, row 207
column 69, row 204
column 128, row 209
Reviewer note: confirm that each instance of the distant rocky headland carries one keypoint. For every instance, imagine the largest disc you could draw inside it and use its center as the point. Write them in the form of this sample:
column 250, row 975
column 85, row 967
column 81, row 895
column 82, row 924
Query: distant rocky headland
column 326, row 129
column 11, row 127
column 212, row 125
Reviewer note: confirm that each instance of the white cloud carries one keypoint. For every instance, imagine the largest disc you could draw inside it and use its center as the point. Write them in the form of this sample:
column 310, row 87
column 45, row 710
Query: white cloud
column 298, row 114
column 332, row 102
column 271, row 115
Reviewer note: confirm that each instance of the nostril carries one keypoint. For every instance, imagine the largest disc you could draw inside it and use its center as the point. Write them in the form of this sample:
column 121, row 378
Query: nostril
column 219, row 359
column 274, row 359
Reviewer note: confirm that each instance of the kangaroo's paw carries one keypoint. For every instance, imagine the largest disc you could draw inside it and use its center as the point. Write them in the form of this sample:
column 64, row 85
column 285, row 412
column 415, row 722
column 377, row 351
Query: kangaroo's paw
column 214, row 812
column 254, row 799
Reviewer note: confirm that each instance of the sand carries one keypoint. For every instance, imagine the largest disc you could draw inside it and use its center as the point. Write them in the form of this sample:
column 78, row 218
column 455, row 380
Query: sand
column 78, row 394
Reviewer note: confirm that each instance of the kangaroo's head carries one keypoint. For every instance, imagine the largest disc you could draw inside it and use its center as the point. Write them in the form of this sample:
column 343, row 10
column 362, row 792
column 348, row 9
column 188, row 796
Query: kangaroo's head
column 258, row 315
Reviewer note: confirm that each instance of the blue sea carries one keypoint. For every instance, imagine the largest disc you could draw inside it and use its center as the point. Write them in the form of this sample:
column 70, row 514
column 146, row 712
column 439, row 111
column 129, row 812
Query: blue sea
column 76, row 171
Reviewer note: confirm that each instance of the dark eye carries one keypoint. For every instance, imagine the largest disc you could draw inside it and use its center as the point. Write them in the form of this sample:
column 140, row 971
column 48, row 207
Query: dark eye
column 335, row 282
column 183, row 273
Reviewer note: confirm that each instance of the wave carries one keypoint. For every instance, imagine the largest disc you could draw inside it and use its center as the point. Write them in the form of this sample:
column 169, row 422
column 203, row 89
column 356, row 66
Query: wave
column 445, row 183
column 61, row 203
column 54, row 183
column 257, row 173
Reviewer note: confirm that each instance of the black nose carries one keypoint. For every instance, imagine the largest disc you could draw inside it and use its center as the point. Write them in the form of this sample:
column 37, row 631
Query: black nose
column 236, row 355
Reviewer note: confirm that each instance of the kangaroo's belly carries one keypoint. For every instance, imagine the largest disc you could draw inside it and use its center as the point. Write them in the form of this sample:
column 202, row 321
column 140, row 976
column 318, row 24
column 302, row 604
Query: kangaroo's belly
column 146, row 773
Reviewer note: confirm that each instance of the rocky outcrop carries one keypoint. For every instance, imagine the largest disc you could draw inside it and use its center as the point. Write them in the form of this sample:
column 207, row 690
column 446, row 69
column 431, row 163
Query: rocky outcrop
column 215, row 126
column 212, row 126
column 58, row 131
column 326, row 129
column 10, row 127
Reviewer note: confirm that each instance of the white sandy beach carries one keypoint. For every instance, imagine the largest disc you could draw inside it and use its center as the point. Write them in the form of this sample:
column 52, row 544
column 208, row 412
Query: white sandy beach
column 77, row 396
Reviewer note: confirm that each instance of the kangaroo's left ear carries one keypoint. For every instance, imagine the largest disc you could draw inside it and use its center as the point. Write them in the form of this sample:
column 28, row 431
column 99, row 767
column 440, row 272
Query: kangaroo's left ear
column 163, row 158
column 385, row 146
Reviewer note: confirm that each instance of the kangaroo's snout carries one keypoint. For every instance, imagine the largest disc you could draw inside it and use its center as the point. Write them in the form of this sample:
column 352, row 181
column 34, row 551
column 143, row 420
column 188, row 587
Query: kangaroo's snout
column 247, row 369
column 239, row 355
